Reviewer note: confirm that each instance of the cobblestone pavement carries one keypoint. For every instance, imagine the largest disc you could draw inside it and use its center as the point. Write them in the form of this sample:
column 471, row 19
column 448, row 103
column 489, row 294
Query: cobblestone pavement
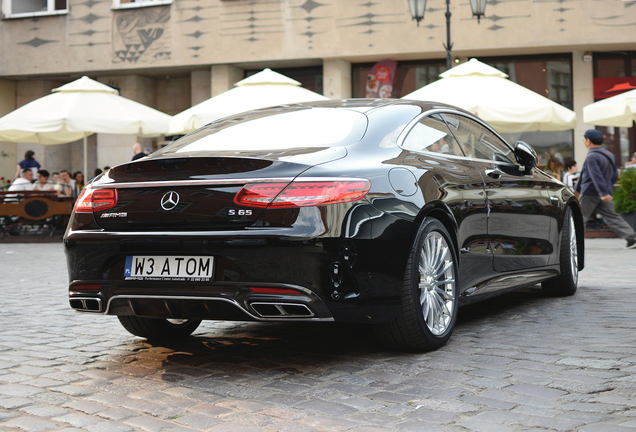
column 520, row 362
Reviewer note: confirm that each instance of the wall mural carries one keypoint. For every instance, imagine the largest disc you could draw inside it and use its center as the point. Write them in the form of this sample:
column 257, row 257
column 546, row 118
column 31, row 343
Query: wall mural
column 370, row 22
column 196, row 17
column 84, row 24
column 36, row 41
column 253, row 21
column 142, row 35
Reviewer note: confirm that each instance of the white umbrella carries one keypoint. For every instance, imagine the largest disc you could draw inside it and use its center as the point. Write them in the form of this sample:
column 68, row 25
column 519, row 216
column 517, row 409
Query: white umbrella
column 618, row 111
column 264, row 89
column 77, row 109
column 487, row 93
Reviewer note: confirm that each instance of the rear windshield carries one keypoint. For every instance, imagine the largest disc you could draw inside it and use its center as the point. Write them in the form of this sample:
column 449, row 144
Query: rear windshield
column 276, row 130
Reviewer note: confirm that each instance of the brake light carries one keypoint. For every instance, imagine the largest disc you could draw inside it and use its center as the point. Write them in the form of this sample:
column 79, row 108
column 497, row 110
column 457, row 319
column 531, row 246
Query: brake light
column 302, row 193
column 95, row 200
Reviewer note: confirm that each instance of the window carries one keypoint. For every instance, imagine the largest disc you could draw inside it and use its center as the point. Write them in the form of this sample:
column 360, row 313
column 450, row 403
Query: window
column 125, row 4
column 477, row 141
column 277, row 130
column 30, row 8
column 431, row 135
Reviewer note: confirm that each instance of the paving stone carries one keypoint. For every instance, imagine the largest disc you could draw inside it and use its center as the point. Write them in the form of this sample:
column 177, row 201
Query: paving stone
column 480, row 426
column 73, row 390
column 594, row 408
column 14, row 402
column 390, row 397
column 323, row 423
column 18, row 390
column 107, row 426
column 488, row 402
column 30, row 424
column 86, row 407
column 248, row 418
column 76, row 419
column 538, row 391
column 148, row 423
column 44, row 411
column 325, row 407
column 226, row 427
column 606, row 428
column 117, row 414
column 282, row 414
column 551, row 423
column 198, row 421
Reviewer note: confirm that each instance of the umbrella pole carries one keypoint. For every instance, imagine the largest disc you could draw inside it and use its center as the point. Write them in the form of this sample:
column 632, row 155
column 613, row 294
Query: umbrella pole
column 85, row 157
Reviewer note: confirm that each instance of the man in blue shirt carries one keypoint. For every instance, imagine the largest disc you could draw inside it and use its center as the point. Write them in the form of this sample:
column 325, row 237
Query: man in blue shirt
column 597, row 187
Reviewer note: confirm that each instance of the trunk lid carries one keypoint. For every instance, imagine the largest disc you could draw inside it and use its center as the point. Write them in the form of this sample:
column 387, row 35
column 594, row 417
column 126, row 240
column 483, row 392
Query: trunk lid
column 196, row 192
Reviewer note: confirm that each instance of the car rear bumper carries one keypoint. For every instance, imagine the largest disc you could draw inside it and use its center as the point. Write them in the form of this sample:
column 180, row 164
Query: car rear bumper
column 325, row 279
column 226, row 301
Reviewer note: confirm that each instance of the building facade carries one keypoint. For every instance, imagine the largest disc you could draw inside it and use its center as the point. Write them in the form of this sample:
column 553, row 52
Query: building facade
column 172, row 54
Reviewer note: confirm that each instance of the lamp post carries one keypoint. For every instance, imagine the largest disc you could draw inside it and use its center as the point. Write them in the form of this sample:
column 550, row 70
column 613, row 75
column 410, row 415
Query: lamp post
column 418, row 7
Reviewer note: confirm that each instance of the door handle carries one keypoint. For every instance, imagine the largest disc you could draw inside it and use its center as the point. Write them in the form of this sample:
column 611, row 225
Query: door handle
column 494, row 173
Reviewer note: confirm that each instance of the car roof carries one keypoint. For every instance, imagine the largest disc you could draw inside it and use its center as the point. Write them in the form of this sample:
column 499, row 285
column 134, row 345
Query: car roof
column 364, row 105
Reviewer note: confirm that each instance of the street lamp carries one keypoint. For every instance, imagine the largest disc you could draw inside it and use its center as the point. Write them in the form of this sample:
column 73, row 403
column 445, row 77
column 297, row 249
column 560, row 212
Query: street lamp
column 418, row 7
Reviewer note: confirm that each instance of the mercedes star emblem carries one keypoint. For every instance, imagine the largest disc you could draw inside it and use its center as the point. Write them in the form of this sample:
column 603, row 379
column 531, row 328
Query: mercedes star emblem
column 170, row 200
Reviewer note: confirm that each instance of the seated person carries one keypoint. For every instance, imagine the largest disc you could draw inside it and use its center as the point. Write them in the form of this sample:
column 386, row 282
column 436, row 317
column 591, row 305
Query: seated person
column 441, row 146
column 43, row 183
column 67, row 187
column 23, row 183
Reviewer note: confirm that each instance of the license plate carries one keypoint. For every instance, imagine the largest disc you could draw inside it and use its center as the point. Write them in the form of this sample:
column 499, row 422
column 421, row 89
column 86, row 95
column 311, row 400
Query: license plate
column 169, row 268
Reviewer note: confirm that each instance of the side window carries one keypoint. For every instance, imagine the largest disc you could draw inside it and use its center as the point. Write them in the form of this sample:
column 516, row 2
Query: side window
column 29, row 8
column 125, row 4
column 432, row 135
column 477, row 141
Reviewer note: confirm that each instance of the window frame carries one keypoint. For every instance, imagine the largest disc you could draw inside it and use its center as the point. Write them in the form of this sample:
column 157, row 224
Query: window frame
column 118, row 5
column 50, row 10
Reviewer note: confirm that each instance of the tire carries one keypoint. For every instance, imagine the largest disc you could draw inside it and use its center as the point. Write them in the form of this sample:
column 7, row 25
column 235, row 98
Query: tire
column 428, row 304
column 158, row 328
column 565, row 284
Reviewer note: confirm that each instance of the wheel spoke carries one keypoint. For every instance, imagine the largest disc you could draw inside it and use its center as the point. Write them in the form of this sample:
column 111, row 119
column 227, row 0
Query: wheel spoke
column 448, row 265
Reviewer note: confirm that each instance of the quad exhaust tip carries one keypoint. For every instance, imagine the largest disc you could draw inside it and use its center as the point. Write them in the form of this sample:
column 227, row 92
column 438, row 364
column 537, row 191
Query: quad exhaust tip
column 86, row 304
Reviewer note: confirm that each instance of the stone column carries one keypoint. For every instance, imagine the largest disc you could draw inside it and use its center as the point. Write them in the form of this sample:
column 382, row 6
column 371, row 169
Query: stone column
column 201, row 86
column 224, row 77
column 8, row 151
column 336, row 78
column 583, row 94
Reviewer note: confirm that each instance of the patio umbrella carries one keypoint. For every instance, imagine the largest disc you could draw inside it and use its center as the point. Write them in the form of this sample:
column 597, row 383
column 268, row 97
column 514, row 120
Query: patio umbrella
column 263, row 89
column 618, row 111
column 78, row 109
column 487, row 93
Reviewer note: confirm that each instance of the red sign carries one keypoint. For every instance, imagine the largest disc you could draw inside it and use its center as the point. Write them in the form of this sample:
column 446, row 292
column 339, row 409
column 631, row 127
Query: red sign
column 608, row 87
column 380, row 79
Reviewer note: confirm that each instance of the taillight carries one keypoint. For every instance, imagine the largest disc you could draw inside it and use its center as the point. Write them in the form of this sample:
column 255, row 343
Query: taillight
column 95, row 200
column 301, row 193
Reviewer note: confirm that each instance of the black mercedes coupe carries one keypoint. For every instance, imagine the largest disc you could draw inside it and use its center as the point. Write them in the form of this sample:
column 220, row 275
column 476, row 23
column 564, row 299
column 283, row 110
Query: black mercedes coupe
column 388, row 212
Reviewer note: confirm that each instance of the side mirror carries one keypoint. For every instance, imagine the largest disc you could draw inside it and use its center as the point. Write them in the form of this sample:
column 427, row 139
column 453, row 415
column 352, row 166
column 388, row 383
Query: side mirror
column 526, row 155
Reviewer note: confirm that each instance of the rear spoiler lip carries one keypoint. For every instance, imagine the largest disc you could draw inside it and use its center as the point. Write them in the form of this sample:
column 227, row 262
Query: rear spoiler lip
column 216, row 182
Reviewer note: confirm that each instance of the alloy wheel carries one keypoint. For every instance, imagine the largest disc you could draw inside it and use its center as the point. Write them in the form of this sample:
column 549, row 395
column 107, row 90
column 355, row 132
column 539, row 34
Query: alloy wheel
column 437, row 283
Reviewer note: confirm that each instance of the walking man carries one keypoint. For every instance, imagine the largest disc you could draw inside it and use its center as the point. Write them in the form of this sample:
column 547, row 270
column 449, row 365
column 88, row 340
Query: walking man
column 596, row 184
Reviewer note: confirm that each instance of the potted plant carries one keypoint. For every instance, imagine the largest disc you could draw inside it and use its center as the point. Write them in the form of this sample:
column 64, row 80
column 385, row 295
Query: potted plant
column 625, row 196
